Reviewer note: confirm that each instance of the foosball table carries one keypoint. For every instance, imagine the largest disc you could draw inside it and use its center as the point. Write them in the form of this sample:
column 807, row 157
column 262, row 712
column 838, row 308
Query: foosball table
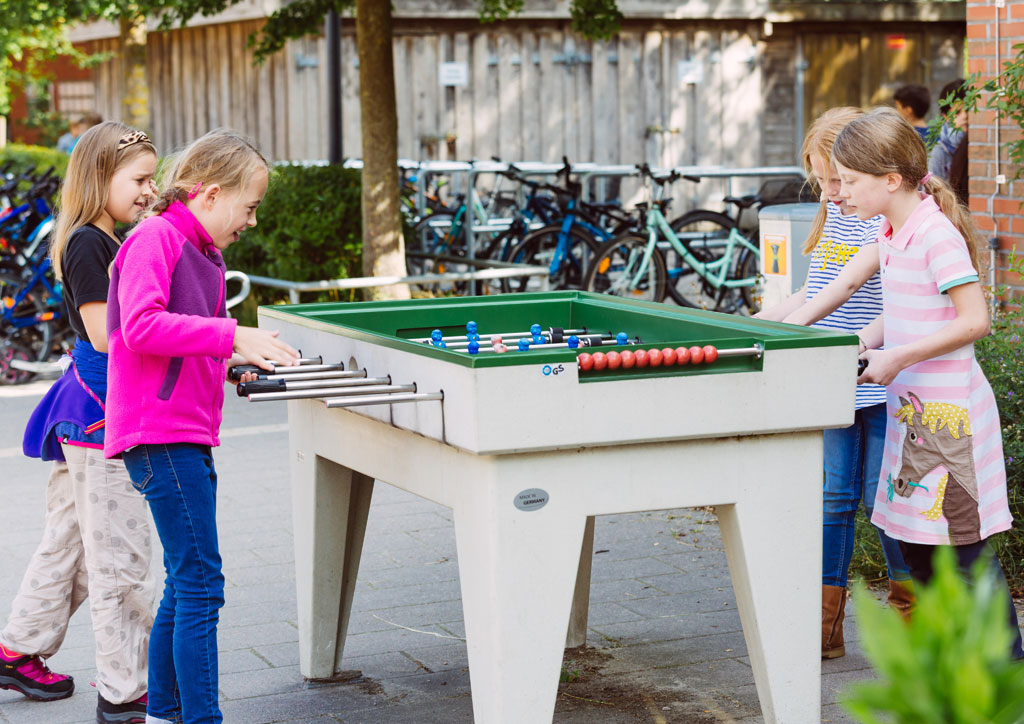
column 530, row 414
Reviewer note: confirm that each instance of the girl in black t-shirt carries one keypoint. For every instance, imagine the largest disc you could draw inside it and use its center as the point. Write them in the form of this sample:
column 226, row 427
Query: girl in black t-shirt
column 97, row 540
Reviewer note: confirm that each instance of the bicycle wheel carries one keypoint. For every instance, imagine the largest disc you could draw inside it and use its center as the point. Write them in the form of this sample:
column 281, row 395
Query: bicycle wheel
column 17, row 329
column 704, row 234
column 500, row 248
column 429, row 237
column 750, row 266
column 614, row 270
column 539, row 249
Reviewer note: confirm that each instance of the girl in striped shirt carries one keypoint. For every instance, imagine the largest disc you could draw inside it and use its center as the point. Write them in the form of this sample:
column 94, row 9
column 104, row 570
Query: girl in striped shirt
column 852, row 455
column 942, row 481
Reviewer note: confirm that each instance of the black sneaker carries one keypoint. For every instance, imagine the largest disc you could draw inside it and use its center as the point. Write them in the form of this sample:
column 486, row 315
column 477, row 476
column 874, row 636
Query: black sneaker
column 30, row 676
column 131, row 712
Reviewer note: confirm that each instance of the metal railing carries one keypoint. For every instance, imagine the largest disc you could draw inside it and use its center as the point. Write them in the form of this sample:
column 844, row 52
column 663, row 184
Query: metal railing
column 493, row 271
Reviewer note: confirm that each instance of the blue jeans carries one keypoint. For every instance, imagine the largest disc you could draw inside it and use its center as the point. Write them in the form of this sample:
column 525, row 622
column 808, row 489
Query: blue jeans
column 180, row 484
column 853, row 458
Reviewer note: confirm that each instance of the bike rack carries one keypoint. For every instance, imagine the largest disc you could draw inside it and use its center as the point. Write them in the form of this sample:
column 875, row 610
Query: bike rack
column 586, row 172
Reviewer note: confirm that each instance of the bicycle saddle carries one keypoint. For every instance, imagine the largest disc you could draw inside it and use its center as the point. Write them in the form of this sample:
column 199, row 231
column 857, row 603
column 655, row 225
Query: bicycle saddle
column 744, row 202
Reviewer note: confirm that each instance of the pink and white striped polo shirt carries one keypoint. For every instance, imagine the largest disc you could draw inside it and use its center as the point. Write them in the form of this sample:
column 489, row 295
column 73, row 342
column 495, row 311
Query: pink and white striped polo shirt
column 942, row 480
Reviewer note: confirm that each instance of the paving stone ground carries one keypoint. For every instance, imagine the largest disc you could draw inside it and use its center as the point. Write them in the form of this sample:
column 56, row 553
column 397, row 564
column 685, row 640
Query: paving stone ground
column 668, row 642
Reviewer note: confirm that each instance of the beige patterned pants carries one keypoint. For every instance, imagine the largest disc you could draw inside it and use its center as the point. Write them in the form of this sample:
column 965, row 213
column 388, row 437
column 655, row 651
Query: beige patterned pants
column 96, row 545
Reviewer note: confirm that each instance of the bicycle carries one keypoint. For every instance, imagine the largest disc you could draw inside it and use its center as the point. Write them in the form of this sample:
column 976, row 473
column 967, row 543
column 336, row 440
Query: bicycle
column 633, row 265
column 704, row 232
column 33, row 319
column 443, row 233
column 567, row 245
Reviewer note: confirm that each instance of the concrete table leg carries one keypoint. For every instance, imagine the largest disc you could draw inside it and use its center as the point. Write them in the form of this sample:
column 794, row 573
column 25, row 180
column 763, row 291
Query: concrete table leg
column 577, row 635
column 517, row 572
column 330, row 505
column 775, row 565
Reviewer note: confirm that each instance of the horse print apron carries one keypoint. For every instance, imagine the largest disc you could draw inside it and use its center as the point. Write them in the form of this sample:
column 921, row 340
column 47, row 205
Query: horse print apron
column 942, row 480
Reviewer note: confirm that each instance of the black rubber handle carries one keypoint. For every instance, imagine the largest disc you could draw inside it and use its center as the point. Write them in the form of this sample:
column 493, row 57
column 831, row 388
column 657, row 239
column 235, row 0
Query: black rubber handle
column 253, row 386
column 235, row 373
column 862, row 364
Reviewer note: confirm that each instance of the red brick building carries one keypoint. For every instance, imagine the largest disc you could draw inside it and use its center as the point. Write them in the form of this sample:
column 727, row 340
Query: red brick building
column 994, row 27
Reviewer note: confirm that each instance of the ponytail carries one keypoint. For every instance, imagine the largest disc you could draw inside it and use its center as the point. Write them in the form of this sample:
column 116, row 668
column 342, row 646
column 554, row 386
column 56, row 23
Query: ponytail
column 817, row 228
column 957, row 213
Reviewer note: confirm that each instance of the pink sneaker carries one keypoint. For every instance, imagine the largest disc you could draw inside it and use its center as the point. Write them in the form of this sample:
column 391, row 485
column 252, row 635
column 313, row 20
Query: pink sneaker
column 30, row 676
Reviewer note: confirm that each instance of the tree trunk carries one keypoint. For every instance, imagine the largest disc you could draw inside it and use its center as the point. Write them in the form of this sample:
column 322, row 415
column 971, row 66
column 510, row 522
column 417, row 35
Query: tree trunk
column 135, row 99
column 383, row 246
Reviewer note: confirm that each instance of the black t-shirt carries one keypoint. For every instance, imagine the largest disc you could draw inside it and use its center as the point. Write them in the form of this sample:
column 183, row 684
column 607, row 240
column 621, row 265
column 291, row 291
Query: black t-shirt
column 86, row 265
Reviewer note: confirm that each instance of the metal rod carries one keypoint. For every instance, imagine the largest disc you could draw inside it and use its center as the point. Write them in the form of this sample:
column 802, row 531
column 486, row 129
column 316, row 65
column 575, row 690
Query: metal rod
column 305, row 369
column 756, row 351
column 333, row 382
column 585, row 342
column 260, row 386
column 329, row 392
column 514, row 339
column 329, row 375
column 384, row 399
column 236, row 372
column 503, row 335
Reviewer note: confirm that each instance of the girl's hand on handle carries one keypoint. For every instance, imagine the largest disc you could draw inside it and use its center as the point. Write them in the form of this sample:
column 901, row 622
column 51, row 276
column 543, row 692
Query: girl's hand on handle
column 235, row 360
column 883, row 366
column 259, row 346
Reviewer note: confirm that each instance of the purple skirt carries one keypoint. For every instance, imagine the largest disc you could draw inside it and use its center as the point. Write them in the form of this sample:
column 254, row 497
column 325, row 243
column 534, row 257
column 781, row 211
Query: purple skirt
column 69, row 404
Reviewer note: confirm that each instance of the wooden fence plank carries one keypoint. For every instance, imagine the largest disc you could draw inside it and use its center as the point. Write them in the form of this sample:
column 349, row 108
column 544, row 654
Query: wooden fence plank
column 510, row 93
column 676, row 91
column 530, row 95
column 552, row 80
column 485, row 109
column 237, row 119
column 178, row 90
column 280, row 105
column 605, row 134
column 653, row 123
column 223, row 80
column 584, row 100
column 463, row 101
column 446, row 99
column 350, row 108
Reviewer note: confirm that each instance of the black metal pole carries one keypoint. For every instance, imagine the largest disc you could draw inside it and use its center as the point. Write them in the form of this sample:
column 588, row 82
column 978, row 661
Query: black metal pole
column 332, row 36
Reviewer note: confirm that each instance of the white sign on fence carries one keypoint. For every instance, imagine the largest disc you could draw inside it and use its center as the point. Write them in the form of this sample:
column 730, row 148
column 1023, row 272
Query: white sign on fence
column 690, row 71
column 453, row 74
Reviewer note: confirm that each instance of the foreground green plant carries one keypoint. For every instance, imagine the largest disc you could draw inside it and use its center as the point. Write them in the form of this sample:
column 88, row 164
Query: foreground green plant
column 950, row 665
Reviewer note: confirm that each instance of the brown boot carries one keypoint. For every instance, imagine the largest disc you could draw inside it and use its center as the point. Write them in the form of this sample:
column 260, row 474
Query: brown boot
column 833, row 610
column 901, row 597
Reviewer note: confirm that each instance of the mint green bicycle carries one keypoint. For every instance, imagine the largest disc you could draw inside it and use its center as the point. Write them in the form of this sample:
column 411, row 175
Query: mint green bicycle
column 700, row 260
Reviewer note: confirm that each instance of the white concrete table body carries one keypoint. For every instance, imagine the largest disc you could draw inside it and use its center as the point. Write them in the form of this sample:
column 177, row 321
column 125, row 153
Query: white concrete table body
column 747, row 443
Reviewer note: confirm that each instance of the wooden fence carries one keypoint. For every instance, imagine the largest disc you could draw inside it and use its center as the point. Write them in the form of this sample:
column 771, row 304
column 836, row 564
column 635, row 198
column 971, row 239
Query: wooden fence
column 665, row 97
column 708, row 92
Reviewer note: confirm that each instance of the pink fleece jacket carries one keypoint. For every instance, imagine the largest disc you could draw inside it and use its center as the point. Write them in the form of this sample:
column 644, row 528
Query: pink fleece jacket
column 169, row 335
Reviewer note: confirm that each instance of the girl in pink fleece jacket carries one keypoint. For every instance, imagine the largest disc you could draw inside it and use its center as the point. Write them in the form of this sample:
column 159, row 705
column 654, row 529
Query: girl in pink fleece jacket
column 171, row 342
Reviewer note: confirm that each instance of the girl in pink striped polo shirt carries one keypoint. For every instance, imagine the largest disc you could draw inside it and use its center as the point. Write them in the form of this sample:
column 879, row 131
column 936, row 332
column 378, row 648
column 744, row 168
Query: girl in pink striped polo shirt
column 943, row 480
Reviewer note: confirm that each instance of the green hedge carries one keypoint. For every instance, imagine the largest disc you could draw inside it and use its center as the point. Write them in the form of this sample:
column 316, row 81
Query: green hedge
column 26, row 158
column 309, row 227
column 999, row 355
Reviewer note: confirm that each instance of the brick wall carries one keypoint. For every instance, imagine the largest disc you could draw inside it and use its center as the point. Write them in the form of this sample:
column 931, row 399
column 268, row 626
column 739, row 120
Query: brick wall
column 996, row 208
